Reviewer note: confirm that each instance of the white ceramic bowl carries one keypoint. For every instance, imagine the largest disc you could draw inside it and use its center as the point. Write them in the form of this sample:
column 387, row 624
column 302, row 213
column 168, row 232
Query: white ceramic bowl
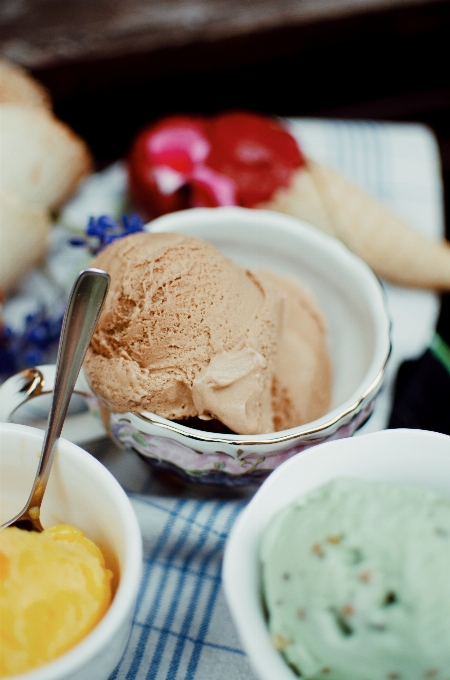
column 412, row 457
column 352, row 300
column 353, row 303
column 81, row 492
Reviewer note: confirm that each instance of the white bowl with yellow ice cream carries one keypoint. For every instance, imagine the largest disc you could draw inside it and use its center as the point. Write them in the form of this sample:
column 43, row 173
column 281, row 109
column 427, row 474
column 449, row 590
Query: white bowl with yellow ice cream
column 338, row 567
column 67, row 595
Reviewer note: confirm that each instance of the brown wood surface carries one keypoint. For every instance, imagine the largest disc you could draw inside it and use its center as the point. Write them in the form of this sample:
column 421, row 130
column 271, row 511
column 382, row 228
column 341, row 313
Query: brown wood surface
column 44, row 33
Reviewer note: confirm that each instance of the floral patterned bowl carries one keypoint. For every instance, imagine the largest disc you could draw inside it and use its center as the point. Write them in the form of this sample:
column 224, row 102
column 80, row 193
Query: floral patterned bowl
column 352, row 300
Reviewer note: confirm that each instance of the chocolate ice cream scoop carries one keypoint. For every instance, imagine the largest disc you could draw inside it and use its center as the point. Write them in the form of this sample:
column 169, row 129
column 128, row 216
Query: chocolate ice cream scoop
column 186, row 332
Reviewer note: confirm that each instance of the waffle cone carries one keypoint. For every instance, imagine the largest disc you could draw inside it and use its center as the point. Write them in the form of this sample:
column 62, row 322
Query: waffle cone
column 42, row 159
column 393, row 249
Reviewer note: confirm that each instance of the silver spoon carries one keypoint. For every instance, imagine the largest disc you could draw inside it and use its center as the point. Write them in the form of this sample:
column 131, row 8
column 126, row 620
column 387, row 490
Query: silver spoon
column 80, row 318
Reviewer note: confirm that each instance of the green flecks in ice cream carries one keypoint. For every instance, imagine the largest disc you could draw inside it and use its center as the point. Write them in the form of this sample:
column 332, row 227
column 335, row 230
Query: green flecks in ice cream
column 356, row 581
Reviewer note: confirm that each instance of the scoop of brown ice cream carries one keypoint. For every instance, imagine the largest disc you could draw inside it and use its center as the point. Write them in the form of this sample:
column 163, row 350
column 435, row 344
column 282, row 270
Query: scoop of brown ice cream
column 185, row 333
column 301, row 388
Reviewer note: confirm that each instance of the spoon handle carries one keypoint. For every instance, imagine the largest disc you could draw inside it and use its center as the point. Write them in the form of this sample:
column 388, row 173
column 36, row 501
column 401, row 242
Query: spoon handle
column 80, row 318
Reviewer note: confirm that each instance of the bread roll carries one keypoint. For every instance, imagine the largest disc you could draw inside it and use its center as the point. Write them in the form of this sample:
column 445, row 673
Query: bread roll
column 23, row 238
column 17, row 87
column 42, row 160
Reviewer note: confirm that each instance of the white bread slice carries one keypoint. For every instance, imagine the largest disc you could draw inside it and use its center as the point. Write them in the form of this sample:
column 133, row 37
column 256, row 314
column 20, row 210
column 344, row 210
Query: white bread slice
column 393, row 249
column 23, row 238
column 42, row 160
column 17, row 87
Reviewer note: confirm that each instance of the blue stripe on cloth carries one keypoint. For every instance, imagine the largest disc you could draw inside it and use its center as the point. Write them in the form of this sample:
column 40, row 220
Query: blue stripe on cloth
column 384, row 161
column 195, row 597
column 190, row 638
column 144, row 581
column 193, row 662
column 177, row 547
column 356, row 149
column 376, row 176
column 338, row 143
column 196, row 547
column 180, row 587
column 162, row 540
column 189, row 571
column 150, row 502
column 367, row 152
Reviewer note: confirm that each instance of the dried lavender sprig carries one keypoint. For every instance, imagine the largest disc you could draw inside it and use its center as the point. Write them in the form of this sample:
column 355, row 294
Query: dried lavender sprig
column 34, row 345
column 103, row 230
column 37, row 342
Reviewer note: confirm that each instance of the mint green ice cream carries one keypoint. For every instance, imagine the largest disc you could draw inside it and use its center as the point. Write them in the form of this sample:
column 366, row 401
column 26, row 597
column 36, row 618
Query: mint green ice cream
column 356, row 581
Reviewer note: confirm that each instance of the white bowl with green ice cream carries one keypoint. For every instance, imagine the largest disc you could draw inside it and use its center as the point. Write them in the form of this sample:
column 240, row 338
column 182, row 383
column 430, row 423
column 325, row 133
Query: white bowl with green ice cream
column 355, row 578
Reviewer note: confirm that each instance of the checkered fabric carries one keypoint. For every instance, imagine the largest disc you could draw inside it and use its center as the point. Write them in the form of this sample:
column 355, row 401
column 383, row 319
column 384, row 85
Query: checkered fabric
column 182, row 628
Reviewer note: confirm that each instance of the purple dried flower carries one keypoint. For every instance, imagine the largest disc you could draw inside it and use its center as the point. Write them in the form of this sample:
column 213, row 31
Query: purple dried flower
column 109, row 238
column 132, row 224
column 77, row 242
column 103, row 230
column 101, row 225
column 36, row 344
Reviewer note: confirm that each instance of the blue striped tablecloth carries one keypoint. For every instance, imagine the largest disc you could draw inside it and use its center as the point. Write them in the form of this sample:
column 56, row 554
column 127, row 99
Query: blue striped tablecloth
column 182, row 628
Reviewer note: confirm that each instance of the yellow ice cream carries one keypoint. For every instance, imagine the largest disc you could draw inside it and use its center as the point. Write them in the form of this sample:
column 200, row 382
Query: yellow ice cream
column 54, row 588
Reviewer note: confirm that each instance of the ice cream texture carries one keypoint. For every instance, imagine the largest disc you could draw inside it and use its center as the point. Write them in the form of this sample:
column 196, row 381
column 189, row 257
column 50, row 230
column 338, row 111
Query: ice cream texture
column 186, row 332
column 355, row 580
column 54, row 588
